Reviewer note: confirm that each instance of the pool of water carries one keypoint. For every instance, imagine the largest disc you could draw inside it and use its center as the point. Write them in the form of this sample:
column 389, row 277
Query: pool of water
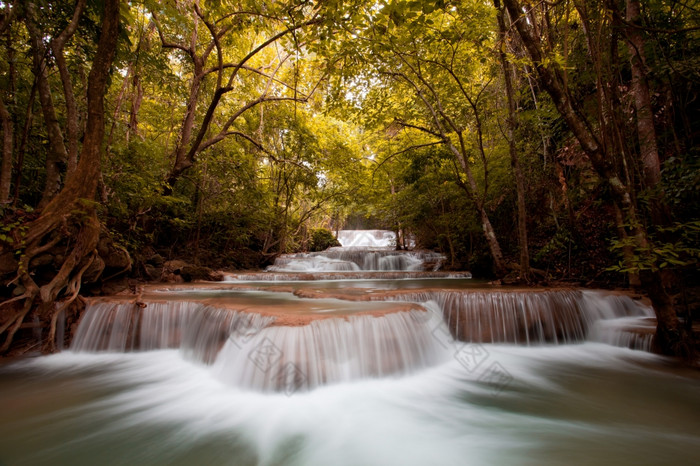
column 489, row 405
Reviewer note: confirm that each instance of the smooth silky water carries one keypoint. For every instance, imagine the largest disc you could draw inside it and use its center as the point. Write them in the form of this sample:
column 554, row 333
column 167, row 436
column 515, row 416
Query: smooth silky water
column 376, row 378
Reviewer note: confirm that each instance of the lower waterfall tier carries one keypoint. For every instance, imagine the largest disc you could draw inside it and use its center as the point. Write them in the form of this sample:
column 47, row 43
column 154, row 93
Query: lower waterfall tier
column 271, row 341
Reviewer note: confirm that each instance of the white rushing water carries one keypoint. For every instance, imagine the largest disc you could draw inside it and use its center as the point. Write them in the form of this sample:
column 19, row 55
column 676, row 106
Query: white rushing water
column 367, row 238
column 582, row 404
column 229, row 330
column 361, row 250
column 406, row 372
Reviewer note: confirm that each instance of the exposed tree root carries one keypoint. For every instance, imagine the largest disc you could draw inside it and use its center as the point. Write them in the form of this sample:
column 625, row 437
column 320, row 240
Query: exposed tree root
column 70, row 215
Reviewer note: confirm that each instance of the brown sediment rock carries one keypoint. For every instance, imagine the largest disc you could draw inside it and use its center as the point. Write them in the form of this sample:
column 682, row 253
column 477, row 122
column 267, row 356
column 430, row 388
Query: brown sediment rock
column 290, row 314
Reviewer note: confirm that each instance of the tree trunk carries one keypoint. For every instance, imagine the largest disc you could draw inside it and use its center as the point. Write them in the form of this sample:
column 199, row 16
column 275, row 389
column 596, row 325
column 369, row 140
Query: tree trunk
column 136, row 100
column 489, row 233
column 28, row 121
column 57, row 154
column 57, row 46
column 182, row 161
column 511, row 125
column 648, row 149
column 70, row 216
column 7, row 146
column 670, row 336
column 492, row 241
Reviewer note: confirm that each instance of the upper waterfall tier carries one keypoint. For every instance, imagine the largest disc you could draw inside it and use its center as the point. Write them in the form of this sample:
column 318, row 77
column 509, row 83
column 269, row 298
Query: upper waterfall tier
column 367, row 238
column 352, row 259
column 362, row 250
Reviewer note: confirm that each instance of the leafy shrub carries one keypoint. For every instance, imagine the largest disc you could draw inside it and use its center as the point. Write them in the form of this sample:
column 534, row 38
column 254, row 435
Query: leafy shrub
column 321, row 239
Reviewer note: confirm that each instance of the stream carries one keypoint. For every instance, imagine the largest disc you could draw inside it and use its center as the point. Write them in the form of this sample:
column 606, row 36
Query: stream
column 360, row 355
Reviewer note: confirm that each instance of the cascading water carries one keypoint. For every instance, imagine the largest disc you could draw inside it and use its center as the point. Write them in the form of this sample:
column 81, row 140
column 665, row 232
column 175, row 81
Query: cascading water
column 539, row 317
column 370, row 250
column 251, row 348
column 367, row 238
column 364, row 368
column 330, row 351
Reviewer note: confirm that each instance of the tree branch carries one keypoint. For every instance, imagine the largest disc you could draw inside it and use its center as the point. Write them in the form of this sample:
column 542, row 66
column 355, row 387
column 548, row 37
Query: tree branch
column 408, row 149
column 169, row 45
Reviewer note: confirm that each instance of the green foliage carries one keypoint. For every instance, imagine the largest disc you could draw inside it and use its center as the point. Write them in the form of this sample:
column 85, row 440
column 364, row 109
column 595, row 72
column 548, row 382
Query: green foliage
column 354, row 143
column 322, row 239
column 683, row 252
column 559, row 244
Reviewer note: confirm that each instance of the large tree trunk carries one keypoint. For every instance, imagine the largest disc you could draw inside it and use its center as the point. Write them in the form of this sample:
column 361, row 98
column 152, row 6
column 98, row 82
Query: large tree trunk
column 57, row 46
column 608, row 114
column 70, row 216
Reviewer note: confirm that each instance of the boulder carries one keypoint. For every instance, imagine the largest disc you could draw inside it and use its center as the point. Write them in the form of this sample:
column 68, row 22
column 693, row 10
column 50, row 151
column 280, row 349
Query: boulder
column 156, row 261
column 152, row 273
column 115, row 257
column 192, row 273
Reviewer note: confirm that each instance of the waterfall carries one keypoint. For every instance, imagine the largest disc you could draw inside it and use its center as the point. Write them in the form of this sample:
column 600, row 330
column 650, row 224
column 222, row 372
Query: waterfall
column 249, row 348
column 536, row 317
column 362, row 250
column 358, row 259
column 367, row 238
column 197, row 329
column 331, row 351
column 355, row 275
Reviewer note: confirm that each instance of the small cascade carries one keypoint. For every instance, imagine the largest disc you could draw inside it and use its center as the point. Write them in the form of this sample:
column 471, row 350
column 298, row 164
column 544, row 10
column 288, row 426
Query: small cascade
column 357, row 259
column 199, row 330
column 367, row 238
column 628, row 332
column 332, row 351
column 254, row 350
column 362, row 250
column 530, row 317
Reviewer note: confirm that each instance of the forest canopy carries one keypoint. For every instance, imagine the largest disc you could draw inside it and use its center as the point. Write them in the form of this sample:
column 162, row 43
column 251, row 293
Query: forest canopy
column 527, row 141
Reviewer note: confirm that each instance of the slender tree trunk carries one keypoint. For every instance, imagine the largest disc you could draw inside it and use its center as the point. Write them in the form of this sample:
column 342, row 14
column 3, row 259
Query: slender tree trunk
column 492, row 241
column 511, row 125
column 8, row 127
column 648, row 149
column 182, row 161
column 7, row 147
column 28, row 120
column 136, row 100
column 57, row 154
column 118, row 108
column 71, row 113
column 471, row 188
